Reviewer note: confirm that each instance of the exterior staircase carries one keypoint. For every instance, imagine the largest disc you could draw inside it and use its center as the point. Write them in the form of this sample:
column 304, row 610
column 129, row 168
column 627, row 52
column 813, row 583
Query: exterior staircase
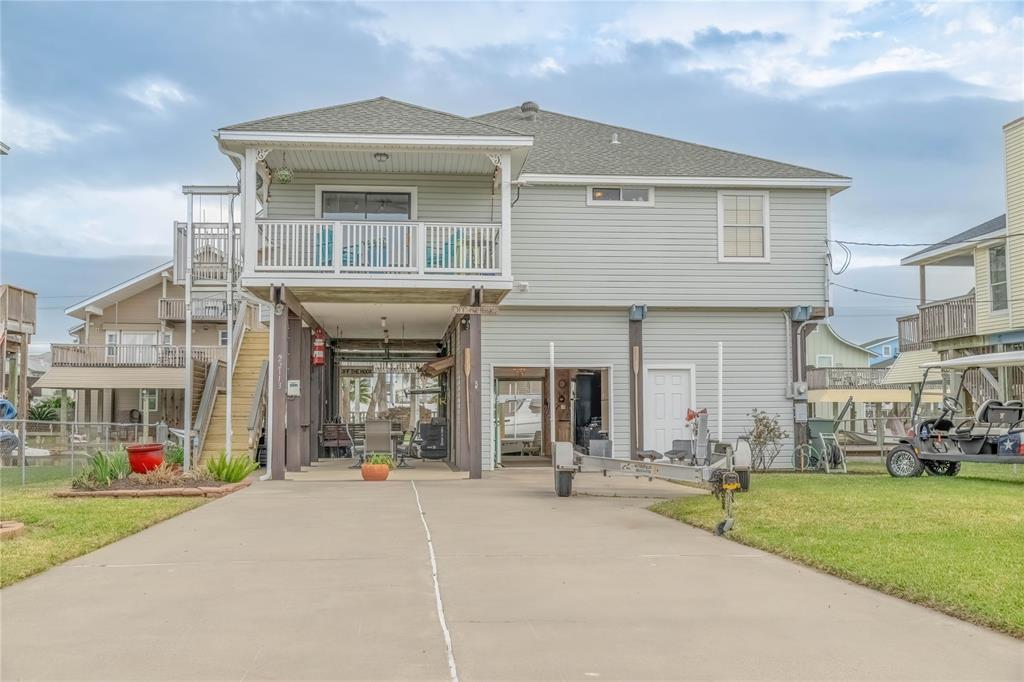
column 254, row 352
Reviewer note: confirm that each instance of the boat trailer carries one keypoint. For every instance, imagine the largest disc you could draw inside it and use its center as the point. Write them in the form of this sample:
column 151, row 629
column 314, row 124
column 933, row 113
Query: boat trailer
column 707, row 464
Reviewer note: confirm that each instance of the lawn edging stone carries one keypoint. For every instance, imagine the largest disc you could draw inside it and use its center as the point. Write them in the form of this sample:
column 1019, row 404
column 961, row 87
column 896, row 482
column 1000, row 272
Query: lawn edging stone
column 200, row 491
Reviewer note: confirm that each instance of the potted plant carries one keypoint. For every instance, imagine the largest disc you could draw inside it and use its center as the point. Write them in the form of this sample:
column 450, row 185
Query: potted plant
column 145, row 457
column 377, row 466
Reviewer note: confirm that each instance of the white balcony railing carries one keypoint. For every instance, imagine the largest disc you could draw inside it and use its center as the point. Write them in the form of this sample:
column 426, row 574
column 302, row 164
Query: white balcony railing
column 330, row 246
column 209, row 251
column 205, row 309
column 130, row 355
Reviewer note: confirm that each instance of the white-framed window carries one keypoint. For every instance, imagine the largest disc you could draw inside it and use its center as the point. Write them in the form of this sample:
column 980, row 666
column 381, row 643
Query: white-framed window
column 167, row 338
column 886, row 351
column 824, row 361
column 112, row 338
column 149, row 400
column 352, row 202
column 743, row 229
column 999, row 298
column 614, row 195
column 223, row 337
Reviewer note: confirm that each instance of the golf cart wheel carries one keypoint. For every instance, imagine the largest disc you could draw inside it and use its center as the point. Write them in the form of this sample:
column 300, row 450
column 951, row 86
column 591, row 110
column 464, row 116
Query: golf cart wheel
column 563, row 483
column 901, row 462
column 936, row 468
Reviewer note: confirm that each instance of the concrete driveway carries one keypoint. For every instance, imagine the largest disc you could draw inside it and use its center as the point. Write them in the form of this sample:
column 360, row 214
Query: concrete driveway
column 333, row 580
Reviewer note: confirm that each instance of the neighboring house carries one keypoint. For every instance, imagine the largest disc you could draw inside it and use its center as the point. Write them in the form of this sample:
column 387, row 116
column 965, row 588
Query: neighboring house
column 886, row 349
column 826, row 348
column 126, row 362
column 471, row 244
column 990, row 317
column 17, row 325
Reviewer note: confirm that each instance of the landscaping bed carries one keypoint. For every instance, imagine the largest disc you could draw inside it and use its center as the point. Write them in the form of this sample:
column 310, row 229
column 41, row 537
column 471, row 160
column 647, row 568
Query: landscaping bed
column 134, row 488
column 953, row 544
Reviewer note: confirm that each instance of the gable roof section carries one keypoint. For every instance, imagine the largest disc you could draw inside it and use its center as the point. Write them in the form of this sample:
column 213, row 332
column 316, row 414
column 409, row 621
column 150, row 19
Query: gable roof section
column 119, row 292
column 380, row 116
column 874, row 342
column 832, row 332
column 566, row 145
column 965, row 240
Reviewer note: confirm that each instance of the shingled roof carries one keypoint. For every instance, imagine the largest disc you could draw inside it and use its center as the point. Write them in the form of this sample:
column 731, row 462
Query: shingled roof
column 566, row 145
column 380, row 116
column 967, row 236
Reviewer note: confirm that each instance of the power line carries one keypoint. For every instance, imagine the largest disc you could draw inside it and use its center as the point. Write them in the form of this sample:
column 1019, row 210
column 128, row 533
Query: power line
column 874, row 293
column 944, row 242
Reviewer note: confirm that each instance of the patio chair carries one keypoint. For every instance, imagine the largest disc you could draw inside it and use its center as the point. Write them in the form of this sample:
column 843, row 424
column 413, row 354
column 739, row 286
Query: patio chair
column 378, row 436
column 405, row 450
column 434, row 439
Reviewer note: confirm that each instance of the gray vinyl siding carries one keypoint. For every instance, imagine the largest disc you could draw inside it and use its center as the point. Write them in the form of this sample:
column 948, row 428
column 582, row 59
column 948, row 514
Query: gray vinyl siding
column 456, row 198
column 666, row 254
column 754, row 363
column 583, row 338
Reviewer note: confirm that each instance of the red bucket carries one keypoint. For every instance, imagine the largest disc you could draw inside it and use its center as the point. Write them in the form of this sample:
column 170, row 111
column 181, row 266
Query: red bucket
column 145, row 457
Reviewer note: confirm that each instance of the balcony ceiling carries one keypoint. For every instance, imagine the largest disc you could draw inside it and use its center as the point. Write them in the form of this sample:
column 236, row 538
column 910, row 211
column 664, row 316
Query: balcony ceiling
column 362, row 320
column 399, row 161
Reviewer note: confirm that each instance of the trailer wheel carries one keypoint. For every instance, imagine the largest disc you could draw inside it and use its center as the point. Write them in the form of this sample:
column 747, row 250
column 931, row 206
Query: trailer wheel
column 901, row 462
column 563, row 483
column 937, row 468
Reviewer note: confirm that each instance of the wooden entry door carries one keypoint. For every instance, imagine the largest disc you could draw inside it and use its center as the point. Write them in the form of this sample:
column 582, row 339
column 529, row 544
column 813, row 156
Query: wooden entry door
column 669, row 395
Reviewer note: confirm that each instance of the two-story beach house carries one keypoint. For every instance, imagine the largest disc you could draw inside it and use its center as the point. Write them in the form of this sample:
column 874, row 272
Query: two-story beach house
column 469, row 245
column 126, row 361
column 990, row 317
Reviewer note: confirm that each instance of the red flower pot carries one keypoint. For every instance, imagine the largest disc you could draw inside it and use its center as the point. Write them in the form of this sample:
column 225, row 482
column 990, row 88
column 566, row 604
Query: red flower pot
column 145, row 457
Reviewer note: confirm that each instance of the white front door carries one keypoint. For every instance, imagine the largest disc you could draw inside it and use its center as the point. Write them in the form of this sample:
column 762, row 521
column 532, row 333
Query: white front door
column 669, row 394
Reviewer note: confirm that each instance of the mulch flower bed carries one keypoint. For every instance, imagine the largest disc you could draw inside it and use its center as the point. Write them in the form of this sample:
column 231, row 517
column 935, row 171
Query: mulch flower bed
column 127, row 487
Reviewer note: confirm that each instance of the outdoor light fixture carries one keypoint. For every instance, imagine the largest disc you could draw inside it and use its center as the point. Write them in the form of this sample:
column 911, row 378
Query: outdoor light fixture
column 383, row 322
column 284, row 175
column 381, row 157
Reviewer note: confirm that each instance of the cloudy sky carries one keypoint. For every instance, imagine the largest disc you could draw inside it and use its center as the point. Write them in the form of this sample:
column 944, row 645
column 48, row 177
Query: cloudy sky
column 109, row 108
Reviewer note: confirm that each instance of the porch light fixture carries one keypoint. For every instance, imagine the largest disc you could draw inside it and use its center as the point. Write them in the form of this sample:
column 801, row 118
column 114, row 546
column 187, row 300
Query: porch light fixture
column 284, row 175
column 380, row 157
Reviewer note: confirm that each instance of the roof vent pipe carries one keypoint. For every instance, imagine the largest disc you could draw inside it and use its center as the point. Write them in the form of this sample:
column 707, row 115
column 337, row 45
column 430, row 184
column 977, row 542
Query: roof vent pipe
column 615, row 138
column 530, row 109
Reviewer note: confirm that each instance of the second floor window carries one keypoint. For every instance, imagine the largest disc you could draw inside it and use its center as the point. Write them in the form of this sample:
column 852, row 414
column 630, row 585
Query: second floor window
column 743, row 227
column 384, row 206
column 997, row 278
column 620, row 196
column 223, row 337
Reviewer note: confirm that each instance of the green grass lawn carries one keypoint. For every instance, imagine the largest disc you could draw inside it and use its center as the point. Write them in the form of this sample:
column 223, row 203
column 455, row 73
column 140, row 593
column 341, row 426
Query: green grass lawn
column 57, row 529
column 954, row 544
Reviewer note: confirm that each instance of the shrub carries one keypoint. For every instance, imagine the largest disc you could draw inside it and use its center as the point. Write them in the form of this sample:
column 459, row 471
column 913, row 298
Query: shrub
column 381, row 458
column 230, row 470
column 104, row 468
column 174, row 455
column 765, row 436
column 42, row 412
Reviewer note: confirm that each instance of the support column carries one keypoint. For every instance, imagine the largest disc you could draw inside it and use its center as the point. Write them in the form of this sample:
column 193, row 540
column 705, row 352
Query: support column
column 293, row 419
column 306, row 399
column 276, row 381
column 637, row 314
column 505, row 162
column 248, row 178
column 922, row 283
column 467, row 364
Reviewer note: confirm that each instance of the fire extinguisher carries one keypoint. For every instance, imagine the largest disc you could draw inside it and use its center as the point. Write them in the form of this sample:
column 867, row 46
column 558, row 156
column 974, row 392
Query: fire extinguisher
column 319, row 347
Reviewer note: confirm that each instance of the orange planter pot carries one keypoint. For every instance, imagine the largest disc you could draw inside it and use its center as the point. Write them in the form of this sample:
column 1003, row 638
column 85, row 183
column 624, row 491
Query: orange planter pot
column 375, row 472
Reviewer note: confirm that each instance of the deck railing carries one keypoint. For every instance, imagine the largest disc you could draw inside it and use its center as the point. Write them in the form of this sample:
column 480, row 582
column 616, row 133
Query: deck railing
column 17, row 309
column 819, row 378
column 909, row 330
column 334, row 246
column 203, row 309
column 948, row 319
column 209, row 251
column 130, row 355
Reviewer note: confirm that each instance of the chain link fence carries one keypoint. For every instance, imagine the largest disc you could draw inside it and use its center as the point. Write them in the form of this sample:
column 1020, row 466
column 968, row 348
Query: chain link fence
column 58, row 451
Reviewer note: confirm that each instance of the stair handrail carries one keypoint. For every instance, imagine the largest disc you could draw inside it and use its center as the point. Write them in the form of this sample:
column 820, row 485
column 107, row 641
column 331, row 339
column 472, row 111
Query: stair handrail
column 258, row 408
column 237, row 333
column 205, row 411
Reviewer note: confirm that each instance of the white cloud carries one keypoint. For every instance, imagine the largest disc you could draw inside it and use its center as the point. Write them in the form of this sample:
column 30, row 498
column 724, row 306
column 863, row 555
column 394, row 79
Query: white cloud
column 22, row 130
column 92, row 221
column 26, row 131
column 155, row 93
column 546, row 67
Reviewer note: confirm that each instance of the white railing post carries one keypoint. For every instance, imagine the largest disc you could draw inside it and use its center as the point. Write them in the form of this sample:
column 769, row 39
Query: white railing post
column 505, row 160
column 421, row 248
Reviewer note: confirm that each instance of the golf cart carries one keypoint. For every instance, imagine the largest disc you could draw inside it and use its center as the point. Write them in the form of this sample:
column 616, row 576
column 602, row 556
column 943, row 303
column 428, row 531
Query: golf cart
column 939, row 444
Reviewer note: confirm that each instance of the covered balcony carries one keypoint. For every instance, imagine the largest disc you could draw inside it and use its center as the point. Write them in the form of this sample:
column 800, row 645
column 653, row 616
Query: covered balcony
column 951, row 318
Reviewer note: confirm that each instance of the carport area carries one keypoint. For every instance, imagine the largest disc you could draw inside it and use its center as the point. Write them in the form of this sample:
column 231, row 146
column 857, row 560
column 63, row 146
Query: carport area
column 312, row 579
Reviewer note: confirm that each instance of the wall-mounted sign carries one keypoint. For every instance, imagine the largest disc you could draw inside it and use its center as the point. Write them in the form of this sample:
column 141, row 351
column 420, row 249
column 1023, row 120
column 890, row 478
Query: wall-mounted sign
column 355, row 372
column 475, row 310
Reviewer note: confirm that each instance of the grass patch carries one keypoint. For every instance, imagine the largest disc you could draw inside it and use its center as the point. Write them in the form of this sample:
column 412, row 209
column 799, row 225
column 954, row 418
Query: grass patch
column 57, row 530
column 954, row 544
